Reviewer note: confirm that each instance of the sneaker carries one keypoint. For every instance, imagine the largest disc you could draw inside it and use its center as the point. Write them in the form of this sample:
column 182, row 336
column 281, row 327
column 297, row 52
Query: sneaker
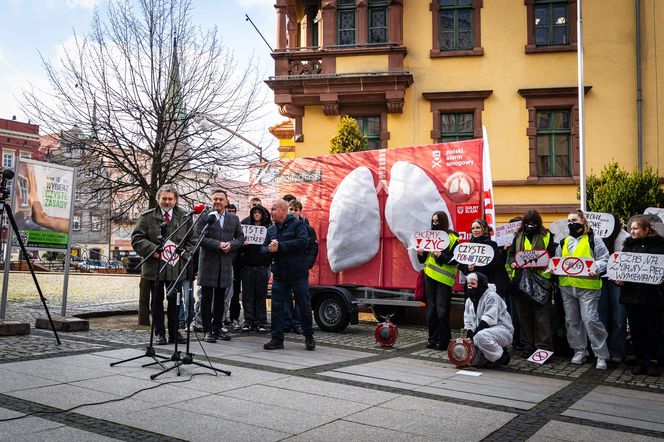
column 224, row 329
column 601, row 364
column 236, row 324
column 182, row 325
column 309, row 343
column 223, row 335
column 261, row 328
column 274, row 344
column 159, row 339
column 579, row 358
column 209, row 337
column 246, row 327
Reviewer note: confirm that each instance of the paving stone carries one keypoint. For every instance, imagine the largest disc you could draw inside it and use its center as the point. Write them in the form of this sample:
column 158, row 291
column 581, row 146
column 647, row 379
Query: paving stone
column 64, row 434
column 13, row 328
column 342, row 430
column 62, row 323
column 563, row 431
column 333, row 390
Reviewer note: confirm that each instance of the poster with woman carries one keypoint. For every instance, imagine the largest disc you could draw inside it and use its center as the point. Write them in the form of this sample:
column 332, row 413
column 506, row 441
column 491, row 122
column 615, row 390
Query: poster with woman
column 42, row 202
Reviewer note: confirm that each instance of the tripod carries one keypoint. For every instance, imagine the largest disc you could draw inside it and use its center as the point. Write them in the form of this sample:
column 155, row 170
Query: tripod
column 8, row 174
column 188, row 358
column 149, row 350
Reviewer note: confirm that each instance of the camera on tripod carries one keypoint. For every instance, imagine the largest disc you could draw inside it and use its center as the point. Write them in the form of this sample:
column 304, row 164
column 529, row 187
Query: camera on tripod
column 7, row 175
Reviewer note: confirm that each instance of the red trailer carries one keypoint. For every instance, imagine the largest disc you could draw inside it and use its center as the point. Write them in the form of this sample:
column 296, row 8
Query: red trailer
column 365, row 207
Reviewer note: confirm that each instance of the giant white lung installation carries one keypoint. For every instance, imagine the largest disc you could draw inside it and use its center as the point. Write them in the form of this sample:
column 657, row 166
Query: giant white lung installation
column 353, row 236
column 412, row 199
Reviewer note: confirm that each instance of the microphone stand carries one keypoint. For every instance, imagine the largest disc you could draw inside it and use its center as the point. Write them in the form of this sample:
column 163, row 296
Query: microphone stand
column 188, row 358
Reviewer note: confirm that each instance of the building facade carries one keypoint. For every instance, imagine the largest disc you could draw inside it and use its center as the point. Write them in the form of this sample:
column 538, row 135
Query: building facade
column 416, row 72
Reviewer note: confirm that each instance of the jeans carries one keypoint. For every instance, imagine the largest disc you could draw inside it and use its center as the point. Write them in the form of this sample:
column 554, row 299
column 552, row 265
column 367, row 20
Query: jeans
column 292, row 315
column 612, row 314
column 187, row 287
column 254, row 294
column 582, row 321
column 281, row 293
column 439, row 298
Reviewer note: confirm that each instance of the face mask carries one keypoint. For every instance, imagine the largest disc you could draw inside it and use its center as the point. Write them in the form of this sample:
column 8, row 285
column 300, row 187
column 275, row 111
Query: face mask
column 531, row 230
column 575, row 229
column 436, row 226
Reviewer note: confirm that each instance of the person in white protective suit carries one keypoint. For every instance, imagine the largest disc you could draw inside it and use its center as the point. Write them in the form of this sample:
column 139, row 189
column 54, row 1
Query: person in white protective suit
column 487, row 321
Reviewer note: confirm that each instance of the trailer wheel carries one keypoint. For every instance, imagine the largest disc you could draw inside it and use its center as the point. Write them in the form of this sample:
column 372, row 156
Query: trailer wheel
column 331, row 313
column 381, row 311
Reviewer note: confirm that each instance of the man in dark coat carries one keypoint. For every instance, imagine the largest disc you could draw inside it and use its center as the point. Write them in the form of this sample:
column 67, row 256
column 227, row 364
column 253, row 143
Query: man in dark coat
column 286, row 243
column 145, row 242
column 215, row 269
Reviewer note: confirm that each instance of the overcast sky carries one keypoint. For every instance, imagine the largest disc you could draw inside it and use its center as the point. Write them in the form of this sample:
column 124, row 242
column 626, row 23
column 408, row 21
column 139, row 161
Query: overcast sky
column 31, row 27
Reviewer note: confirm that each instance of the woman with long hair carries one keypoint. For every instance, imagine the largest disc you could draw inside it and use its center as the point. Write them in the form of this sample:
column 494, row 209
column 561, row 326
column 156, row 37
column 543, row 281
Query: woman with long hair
column 534, row 317
column 644, row 303
column 495, row 270
column 581, row 293
column 439, row 273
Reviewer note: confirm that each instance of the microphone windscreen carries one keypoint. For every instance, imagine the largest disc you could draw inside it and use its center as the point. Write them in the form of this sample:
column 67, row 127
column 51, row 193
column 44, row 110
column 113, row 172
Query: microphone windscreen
column 199, row 208
column 212, row 218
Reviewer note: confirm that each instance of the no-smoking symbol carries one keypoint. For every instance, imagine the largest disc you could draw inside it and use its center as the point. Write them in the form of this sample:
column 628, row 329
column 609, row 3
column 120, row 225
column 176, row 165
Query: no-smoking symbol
column 572, row 266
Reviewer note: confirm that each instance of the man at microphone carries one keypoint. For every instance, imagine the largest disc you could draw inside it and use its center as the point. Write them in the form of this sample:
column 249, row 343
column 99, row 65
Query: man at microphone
column 167, row 216
column 219, row 246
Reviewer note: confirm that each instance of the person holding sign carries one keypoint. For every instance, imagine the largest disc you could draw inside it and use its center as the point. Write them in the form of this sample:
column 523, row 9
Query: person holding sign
column 494, row 270
column 644, row 303
column 581, row 293
column 487, row 321
column 255, row 268
column 439, row 272
column 534, row 316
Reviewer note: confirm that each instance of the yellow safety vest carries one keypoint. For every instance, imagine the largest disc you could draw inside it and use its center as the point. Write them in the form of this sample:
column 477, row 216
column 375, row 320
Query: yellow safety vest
column 445, row 273
column 528, row 246
column 582, row 251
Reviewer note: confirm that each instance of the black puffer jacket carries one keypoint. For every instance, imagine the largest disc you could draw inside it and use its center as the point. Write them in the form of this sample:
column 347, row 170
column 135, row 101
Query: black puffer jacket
column 495, row 271
column 637, row 292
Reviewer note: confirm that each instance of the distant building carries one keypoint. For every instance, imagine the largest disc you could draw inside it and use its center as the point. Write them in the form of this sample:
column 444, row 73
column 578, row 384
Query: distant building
column 18, row 140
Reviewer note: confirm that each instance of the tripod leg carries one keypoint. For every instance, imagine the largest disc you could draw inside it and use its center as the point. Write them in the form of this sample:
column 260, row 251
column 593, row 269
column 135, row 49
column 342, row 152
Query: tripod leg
column 210, row 367
column 166, row 370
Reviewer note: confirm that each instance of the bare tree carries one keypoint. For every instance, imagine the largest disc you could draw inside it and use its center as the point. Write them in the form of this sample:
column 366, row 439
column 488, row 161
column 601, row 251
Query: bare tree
column 135, row 85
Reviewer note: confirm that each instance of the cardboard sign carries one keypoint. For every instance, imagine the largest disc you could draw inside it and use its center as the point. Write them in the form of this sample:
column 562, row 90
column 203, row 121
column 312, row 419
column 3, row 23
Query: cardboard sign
column 431, row 240
column 636, row 267
column 572, row 266
column 505, row 233
column 540, row 356
column 168, row 254
column 473, row 253
column 559, row 229
column 532, row 259
column 254, row 234
column 654, row 211
column 601, row 223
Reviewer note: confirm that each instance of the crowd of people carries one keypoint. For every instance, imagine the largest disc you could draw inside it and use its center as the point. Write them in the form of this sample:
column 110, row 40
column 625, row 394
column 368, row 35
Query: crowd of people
column 225, row 265
column 524, row 308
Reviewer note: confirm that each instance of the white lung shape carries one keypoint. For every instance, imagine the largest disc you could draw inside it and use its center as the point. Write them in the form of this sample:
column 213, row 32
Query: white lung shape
column 412, row 199
column 353, row 236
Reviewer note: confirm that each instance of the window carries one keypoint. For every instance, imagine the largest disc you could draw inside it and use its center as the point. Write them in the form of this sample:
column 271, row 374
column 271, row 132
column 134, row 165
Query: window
column 456, row 127
column 456, row 115
column 95, row 223
column 377, row 21
column 314, row 33
column 25, row 154
column 370, row 126
column 8, row 159
column 553, row 134
column 551, row 25
column 456, row 27
column 345, row 22
column 78, row 195
column 553, row 143
column 76, row 223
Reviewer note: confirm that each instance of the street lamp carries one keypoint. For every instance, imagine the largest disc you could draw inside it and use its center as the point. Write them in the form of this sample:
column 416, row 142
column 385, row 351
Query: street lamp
column 204, row 121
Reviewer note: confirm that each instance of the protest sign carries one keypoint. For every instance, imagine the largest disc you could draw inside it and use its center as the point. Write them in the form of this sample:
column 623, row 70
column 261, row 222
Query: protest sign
column 655, row 211
column 168, row 254
column 540, row 356
column 601, row 223
column 473, row 253
column 531, row 259
column 431, row 240
column 559, row 229
column 254, row 234
column 505, row 233
column 43, row 203
column 572, row 266
column 636, row 267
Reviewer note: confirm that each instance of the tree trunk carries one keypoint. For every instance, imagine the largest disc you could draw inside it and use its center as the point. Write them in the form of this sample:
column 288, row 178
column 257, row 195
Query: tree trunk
column 144, row 302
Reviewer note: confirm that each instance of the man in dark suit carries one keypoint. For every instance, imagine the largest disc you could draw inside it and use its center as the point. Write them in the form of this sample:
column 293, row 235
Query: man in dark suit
column 215, row 269
column 144, row 240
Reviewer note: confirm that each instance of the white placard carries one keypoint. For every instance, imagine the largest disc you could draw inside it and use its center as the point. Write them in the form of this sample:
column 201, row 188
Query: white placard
column 540, row 356
column 254, row 234
column 505, row 233
column 654, row 211
column 531, row 259
column 168, row 254
column 559, row 229
column 473, row 253
column 572, row 266
column 431, row 240
column 636, row 267
column 601, row 223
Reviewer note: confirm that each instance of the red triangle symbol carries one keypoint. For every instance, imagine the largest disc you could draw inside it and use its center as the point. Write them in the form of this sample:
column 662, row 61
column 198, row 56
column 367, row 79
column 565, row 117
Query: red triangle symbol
column 556, row 261
column 419, row 241
column 589, row 263
column 615, row 256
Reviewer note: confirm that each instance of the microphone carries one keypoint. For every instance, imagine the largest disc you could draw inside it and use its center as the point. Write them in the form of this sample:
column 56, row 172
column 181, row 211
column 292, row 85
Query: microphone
column 198, row 209
column 213, row 217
